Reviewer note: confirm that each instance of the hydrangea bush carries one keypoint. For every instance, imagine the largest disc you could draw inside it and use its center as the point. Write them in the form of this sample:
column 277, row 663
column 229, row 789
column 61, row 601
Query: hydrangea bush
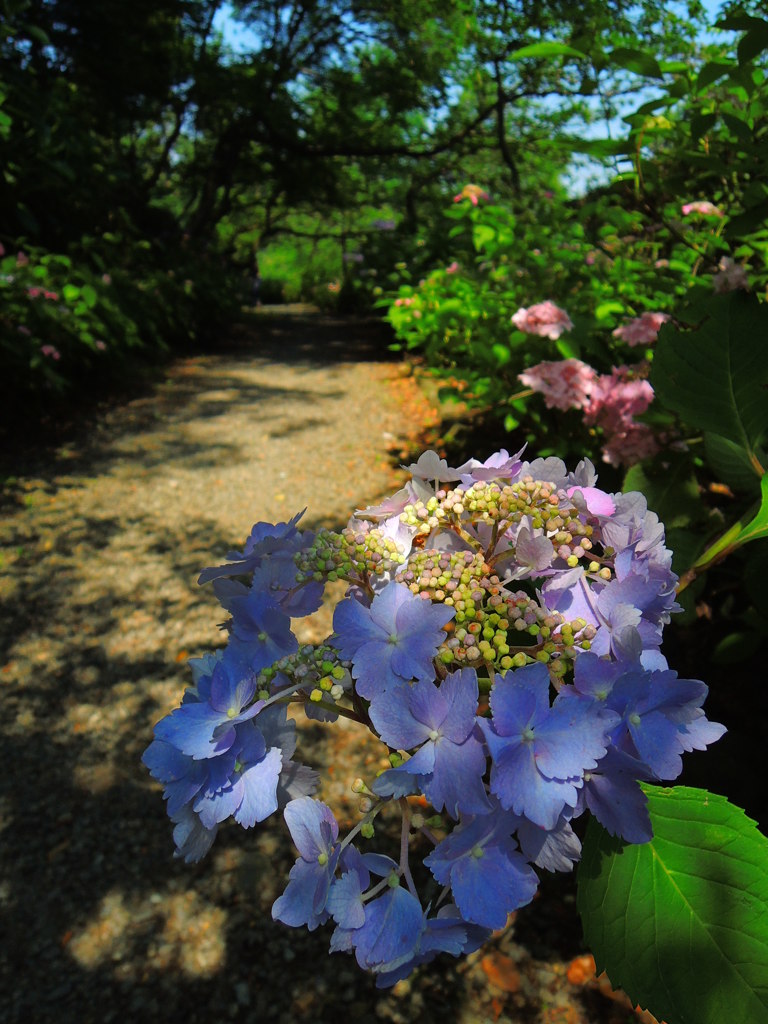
column 500, row 635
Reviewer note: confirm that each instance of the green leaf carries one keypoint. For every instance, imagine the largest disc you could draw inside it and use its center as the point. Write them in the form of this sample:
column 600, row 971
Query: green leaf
column 670, row 487
column 599, row 147
column 738, row 127
column 685, row 546
column 606, row 309
column 637, row 61
column 681, row 923
column 738, row 22
column 482, row 234
column 754, row 42
column 71, row 292
column 547, row 49
column 90, row 298
column 502, row 354
column 700, row 124
column 716, row 377
column 758, row 526
column 711, row 72
column 730, row 463
column 749, row 221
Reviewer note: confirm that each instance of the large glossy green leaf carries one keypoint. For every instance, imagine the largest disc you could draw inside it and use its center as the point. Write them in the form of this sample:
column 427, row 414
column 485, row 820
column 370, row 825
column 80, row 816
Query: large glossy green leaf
column 731, row 463
column 670, row 488
column 681, row 923
column 716, row 377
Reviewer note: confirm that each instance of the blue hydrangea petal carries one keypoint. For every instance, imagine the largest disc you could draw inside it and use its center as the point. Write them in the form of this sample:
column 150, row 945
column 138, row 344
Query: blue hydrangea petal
column 456, row 783
column 345, row 903
column 387, row 603
column 295, row 781
column 392, row 715
column 277, row 729
column 620, row 805
column 193, row 840
column 595, row 677
column 230, row 691
column 296, row 906
column 519, row 699
column 167, row 763
column 468, row 834
column 378, row 864
column 460, row 691
column 259, row 796
column 488, row 888
column 372, row 668
column 657, row 743
column 190, row 728
column 699, row 733
column 214, row 807
column 555, row 849
column 570, row 739
column 521, row 788
column 305, row 818
column 393, row 925
column 428, row 705
column 397, row 782
column 352, row 628
column 496, row 744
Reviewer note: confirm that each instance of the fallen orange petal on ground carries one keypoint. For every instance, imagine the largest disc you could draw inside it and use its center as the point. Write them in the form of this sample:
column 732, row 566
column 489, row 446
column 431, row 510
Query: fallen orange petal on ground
column 501, row 971
column 581, row 969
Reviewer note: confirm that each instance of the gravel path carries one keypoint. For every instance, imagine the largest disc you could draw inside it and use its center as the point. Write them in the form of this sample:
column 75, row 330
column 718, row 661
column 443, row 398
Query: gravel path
column 101, row 543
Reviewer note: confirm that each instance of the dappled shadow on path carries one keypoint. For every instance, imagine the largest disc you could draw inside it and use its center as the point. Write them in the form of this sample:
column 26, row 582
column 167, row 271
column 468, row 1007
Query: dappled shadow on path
column 101, row 543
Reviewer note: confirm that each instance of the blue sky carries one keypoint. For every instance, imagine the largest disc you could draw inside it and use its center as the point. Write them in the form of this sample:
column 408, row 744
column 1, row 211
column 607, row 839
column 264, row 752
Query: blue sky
column 584, row 172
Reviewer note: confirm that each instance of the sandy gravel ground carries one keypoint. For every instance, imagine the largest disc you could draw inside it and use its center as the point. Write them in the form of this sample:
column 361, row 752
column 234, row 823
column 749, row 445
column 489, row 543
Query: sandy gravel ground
column 101, row 541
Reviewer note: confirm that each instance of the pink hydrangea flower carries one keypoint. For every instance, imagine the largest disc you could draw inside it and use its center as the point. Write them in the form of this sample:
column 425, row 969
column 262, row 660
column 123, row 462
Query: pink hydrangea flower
column 730, row 276
column 704, row 207
column 615, row 400
column 101, row 346
column 642, row 330
column 452, row 268
column 632, row 445
column 474, row 193
column 565, row 384
column 51, row 351
column 545, row 319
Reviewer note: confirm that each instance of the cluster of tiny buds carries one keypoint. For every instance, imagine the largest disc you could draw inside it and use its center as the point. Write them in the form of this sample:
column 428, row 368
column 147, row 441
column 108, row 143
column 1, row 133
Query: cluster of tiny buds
column 357, row 551
column 503, row 506
column 317, row 670
column 491, row 625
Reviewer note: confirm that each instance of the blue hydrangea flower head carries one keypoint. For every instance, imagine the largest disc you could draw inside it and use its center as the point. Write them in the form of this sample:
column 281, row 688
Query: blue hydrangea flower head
column 540, row 753
column 395, row 639
column 314, row 831
column 206, row 728
column 441, row 723
column 488, row 876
